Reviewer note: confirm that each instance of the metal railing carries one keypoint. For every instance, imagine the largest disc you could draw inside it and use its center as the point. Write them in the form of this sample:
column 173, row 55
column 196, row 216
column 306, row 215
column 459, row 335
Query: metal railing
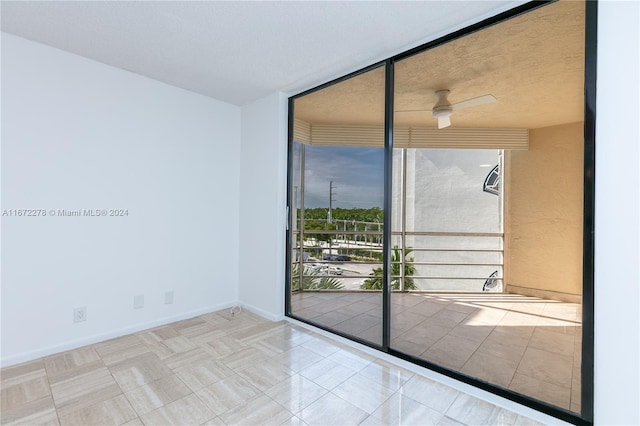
column 426, row 261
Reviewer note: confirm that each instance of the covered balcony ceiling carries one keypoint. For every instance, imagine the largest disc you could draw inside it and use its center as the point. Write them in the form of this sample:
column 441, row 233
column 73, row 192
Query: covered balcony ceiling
column 533, row 64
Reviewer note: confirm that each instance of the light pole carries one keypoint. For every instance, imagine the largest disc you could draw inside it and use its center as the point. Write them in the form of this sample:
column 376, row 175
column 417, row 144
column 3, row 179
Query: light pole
column 331, row 200
column 330, row 215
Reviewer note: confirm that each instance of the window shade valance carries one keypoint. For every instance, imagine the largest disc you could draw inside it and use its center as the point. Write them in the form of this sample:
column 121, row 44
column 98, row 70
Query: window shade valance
column 410, row 137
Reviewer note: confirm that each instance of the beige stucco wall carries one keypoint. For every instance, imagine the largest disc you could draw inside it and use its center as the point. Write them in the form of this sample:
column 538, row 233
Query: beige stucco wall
column 543, row 214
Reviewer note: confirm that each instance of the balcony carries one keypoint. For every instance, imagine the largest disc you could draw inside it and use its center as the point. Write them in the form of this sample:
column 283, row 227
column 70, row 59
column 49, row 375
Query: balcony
column 447, row 306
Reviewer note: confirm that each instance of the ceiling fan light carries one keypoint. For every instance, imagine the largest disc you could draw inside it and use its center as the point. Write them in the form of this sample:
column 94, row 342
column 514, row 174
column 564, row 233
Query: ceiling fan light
column 442, row 112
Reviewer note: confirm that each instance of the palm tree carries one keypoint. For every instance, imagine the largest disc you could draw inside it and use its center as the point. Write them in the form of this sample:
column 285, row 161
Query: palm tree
column 375, row 282
column 313, row 280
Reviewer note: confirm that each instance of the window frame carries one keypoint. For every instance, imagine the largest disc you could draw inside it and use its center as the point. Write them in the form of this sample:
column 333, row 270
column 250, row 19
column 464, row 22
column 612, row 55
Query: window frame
column 587, row 392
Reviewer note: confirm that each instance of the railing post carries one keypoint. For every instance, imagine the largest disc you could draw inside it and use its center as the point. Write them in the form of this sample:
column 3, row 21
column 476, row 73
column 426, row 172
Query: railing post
column 301, row 234
column 403, row 218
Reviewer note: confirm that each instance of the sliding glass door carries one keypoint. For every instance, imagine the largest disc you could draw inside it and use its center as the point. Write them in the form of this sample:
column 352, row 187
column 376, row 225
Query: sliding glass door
column 472, row 150
column 337, row 192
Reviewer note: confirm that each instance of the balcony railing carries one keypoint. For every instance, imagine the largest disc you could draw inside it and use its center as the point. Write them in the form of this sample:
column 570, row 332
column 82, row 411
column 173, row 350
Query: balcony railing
column 421, row 261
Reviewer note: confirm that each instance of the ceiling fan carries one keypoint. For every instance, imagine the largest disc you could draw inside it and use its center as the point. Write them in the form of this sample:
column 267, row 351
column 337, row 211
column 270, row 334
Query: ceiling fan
column 443, row 109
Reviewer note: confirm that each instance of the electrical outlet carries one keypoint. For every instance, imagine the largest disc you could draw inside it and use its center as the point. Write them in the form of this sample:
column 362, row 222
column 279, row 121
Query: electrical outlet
column 80, row 314
column 138, row 301
column 168, row 297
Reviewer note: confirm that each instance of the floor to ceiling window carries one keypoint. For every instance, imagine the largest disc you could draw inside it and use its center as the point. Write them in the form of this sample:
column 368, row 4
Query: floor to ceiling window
column 481, row 273
column 337, row 189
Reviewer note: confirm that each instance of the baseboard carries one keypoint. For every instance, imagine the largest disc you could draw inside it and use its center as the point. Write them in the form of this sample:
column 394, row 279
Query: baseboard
column 50, row 350
column 261, row 312
column 544, row 294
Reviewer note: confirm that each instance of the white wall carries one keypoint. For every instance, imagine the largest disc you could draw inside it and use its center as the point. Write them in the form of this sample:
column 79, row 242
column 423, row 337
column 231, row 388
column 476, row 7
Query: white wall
column 262, row 205
column 77, row 134
column 617, row 296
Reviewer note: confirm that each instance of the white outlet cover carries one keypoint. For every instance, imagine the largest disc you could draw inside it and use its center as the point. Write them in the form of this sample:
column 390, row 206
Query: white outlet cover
column 168, row 297
column 80, row 314
column 138, row 301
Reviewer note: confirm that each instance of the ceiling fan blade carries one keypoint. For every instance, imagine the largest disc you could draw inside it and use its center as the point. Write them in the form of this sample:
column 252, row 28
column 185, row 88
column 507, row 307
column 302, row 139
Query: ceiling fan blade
column 444, row 122
column 480, row 100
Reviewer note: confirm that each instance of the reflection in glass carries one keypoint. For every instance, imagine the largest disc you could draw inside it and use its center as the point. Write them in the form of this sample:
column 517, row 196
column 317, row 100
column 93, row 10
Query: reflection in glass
column 486, row 239
column 489, row 224
column 338, row 187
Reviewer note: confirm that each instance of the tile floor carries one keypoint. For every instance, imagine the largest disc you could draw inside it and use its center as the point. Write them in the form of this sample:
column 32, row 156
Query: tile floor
column 526, row 344
column 217, row 369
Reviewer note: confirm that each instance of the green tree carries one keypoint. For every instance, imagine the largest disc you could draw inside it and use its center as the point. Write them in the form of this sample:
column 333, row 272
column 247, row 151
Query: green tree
column 313, row 280
column 316, row 225
column 375, row 282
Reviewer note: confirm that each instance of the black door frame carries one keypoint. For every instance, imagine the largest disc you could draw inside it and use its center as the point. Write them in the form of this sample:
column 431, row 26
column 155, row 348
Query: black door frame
column 591, row 21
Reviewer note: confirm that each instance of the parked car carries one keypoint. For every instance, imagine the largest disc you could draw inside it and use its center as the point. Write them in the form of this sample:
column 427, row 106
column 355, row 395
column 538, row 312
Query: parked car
column 335, row 270
column 336, row 257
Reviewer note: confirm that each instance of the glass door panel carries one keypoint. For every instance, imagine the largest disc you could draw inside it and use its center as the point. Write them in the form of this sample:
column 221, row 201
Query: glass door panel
column 338, row 193
column 488, row 213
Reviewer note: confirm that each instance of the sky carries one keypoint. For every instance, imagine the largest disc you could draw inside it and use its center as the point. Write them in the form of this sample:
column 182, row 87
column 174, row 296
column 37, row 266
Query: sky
column 357, row 175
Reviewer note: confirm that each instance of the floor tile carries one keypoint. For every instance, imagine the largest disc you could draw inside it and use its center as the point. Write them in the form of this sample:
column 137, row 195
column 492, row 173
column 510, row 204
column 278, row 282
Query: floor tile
column 363, row 392
column 19, row 373
column 539, row 389
column 492, row 369
column 427, row 392
column 486, row 316
column 386, row 374
column 321, row 346
column 552, row 341
column 261, row 410
column 38, row 411
column 332, row 410
column 189, row 410
column 189, row 326
column 243, row 358
column 327, row 374
column 227, row 394
column 172, row 346
column 399, row 409
column 355, row 360
column 68, row 364
column 25, row 392
column 547, row 366
column 293, row 421
column 476, row 333
column 216, row 421
column 505, row 346
column 203, row 373
column 299, row 358
column 156, row 394
column 469, row 410
column 525, row 421
column 158, row 334
column 185, row 359
column 447, row 318
column 357, row 324
column 266, row 374
column 112, row 411
column 296, row 393
column 451, row 352
column 138, row 371
column 227, row 360
column 426, row 308
column 448, row 421
column 84, row 390
column 121, row 348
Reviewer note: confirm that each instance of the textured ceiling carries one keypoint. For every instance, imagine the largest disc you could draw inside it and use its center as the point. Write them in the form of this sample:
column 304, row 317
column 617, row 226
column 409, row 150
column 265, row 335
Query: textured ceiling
column 533, row 64
column 239, row 51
